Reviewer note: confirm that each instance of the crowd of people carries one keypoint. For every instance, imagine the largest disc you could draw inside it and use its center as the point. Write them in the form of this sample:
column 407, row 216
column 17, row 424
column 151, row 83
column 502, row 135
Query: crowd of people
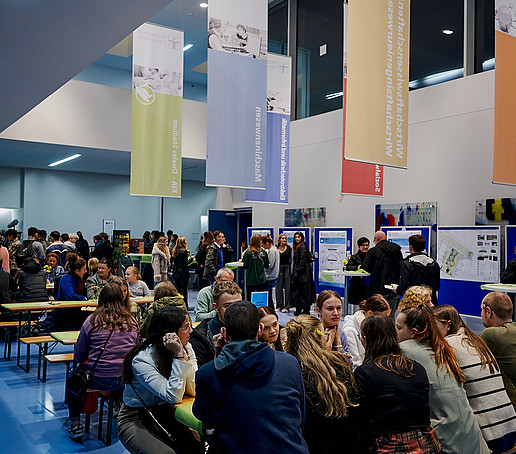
column 397, row 376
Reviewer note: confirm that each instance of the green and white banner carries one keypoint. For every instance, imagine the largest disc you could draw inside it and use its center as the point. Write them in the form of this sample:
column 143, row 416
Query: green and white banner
column 157, row 111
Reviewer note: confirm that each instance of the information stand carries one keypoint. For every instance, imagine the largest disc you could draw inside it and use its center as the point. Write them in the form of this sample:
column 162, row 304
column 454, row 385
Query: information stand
column 401, row 234
column 332, row 246
column 289, row 231
column 467, row 255
column 259, row 231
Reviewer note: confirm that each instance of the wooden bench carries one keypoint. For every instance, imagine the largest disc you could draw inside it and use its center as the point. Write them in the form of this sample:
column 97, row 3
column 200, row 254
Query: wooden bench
column 58, row 358
column 8, row 327
column 41, row 342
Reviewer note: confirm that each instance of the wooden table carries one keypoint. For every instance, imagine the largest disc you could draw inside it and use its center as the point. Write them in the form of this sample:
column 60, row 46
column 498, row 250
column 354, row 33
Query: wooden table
column 66, row 337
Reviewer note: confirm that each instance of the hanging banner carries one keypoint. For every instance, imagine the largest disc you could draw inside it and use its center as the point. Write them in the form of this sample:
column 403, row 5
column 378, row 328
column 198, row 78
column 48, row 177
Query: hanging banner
column 377, row 83
column 357, row 177
column 504, row 164
column 237, row 94
column 278, row 132
column 157, row 111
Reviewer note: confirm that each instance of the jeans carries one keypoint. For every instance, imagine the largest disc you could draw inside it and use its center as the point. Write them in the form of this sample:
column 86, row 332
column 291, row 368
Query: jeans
column 269, row 285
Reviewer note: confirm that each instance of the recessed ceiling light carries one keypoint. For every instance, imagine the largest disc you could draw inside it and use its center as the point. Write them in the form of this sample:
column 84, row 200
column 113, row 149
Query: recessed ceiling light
column 203, row 5
column 69, row 158
column 188, row 46
column 447, row 32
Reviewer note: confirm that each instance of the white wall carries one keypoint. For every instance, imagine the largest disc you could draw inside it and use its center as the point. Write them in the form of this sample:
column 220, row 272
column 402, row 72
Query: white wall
column 450, row 160
column 71, row 201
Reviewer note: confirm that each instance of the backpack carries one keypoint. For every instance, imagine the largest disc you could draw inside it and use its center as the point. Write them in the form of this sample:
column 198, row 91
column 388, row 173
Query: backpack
column 25, row 251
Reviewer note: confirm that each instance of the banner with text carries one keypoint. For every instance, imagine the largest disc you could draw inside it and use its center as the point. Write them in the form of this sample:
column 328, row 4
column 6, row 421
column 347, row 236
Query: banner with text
column 157, row 111
column 357, row 177
column 278, row 132
column 377, row 83
column 237, row 94
column 504, row 165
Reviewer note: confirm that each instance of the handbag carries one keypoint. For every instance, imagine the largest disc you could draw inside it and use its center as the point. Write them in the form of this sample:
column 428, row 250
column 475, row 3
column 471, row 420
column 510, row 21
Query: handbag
column 80, row 379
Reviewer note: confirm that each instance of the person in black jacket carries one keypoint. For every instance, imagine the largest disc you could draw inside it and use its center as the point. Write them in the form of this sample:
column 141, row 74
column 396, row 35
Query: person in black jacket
column 32, row 280
column 419, row 269
column 82, row 247
column 206, row 339
column 7, row 285
column 357, row 287
column 383, row 262
column 179, row 265
column 303, row 286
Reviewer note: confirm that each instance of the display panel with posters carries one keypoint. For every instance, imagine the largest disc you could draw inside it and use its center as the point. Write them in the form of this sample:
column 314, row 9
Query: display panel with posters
column 400, row 236
column 469, row 253
column 263, row 231
column 510, row 243
column 307, row 232
column 332, row 246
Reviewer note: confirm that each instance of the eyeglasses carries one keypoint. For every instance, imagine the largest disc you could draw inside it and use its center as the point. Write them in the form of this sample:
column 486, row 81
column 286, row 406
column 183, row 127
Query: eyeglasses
column 187, row 327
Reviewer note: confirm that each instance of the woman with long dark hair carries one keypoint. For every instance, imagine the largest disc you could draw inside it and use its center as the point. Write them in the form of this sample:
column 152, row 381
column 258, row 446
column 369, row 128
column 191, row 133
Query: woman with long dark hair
column 200, row 257
column 393, row 390
column 179, row 265
column 255, row 261
column 450, row 414
column 105, row 338
column 302, row 287
column 159, row 372
column 331, row 395
column 271, row 328
column 283, row 298
column 484, row 384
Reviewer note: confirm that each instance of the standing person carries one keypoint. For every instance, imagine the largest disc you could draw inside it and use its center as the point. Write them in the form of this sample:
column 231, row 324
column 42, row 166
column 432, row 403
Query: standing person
column 214, row 256
column 451, row 416
column 272, row 272
column 32, row 281
column 179, row 266
column 329, row 308
column 160, row 260
column 106, row 337
column 4, row 255
column 36, row 247
column 500, row 336
column 303, row 287
column 273, row 333
column 352, row 324
column 357, row 291
column 200, row 257
column 394, row 394
column 147, row 247
column 383, row 262
column 57, row 247
column 255, row 261
column 484, row 384
column 71, row 241
column 42, row 238
column 96, row 282
column 137, row 287
column 331, row 393
column 204, row 308
column 285, row 253
column 249, row 375
column 82, row 247
column 419, row 269
column 7, row 284
column 159, row 372
column 13, row 244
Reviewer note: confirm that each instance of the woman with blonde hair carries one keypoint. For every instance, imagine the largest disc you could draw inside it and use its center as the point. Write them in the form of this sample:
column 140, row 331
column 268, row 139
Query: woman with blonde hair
column 450, row 414
column 93, row 266
column 134, row 281
column 255, row 261
column 179, row 265
column 352, row 323
column 160, row 260
column 416, row 295
column 484, row 385
column 331, row 394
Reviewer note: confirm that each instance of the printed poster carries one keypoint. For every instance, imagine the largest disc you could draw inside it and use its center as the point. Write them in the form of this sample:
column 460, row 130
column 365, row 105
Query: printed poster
column 157, row 110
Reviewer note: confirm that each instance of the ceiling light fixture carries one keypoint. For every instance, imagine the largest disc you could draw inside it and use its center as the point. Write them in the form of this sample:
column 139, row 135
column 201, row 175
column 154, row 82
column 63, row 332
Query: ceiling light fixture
column 69, row 158
column 203, row 5
column 188, row 46
column 447, row 31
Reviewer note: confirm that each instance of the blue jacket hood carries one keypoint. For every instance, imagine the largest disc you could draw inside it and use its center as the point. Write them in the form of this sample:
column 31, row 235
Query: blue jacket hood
column 245, row 360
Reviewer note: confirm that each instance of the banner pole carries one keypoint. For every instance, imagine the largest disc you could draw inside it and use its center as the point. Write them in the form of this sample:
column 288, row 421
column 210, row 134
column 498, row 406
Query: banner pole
column 161, row 215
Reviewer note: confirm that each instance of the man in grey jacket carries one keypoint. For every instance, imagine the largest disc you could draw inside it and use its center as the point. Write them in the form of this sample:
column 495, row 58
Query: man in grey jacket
column 271, row 273
column 98, row 281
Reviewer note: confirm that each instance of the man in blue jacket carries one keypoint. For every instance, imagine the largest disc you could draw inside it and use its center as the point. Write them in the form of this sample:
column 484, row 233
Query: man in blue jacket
column 251, row 395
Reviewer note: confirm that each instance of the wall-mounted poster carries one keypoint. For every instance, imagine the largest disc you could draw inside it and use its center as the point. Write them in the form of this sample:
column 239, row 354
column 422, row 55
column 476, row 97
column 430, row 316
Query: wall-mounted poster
column 416, row 214
column 495, row 212
column 469, row 253
column 305, row 217
column 401, row 235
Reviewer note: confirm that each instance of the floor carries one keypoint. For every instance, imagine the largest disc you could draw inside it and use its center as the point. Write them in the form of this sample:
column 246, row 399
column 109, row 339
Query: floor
column 34, row 416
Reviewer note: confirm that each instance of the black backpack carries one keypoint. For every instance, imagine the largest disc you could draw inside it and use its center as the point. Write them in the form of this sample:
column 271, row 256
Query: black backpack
column 25, row 251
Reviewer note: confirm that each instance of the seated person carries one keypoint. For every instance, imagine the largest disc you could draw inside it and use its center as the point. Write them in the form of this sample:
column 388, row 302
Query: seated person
column 165, row 294
column 250, row 382
column 53, row 269
column 32, row 281
column 137, row 287
column 98, row 281
column 204, row 307
column 207, row 340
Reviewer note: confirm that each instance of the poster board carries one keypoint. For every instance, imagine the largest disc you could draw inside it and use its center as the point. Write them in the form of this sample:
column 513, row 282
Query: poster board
column 400, row 236
column 289, row 231
column 259, row 231
column 510, row 243
column 332, row 245
column 469, row 253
